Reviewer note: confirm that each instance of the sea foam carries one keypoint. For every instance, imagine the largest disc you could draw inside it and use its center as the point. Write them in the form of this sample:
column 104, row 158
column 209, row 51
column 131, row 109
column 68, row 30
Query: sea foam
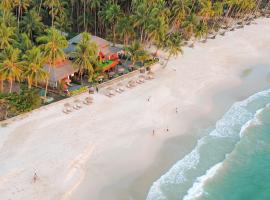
column 234, row 121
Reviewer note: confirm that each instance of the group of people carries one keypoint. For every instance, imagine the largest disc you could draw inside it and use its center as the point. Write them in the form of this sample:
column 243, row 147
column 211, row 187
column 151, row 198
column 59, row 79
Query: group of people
column 167, row 129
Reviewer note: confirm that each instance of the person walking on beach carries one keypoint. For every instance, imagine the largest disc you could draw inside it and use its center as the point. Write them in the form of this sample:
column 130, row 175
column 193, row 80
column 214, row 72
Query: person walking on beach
column 153, row 132
column 35, row 177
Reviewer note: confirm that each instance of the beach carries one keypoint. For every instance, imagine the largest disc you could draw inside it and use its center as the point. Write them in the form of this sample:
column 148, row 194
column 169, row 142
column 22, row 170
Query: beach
column 108, row 150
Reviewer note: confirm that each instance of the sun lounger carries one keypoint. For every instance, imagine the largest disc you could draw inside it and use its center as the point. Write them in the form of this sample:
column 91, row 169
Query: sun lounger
column 122, row 89
column 138, row 81
column 66, row 111
column 118, row 90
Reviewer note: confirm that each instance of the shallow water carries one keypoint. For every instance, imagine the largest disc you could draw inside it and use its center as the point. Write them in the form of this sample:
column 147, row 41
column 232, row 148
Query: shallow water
column 225, row 163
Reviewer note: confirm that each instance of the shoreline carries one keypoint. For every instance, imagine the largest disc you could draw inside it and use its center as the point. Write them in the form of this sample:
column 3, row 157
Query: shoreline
column 111, row 141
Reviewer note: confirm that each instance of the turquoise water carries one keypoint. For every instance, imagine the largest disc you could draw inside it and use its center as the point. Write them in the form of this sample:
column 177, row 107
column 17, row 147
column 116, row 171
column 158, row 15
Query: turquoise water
column 232, row 162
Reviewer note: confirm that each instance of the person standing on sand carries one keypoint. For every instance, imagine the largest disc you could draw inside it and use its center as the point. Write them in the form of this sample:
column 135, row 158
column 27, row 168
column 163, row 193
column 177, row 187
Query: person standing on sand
column 153, row 132
column 35, row 177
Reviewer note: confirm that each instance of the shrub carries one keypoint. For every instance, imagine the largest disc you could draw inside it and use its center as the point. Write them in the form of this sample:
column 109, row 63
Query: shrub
column 79, row 91
column 17, row 103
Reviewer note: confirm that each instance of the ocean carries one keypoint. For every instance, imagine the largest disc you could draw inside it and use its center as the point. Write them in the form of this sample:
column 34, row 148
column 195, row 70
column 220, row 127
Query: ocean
column 231, row 162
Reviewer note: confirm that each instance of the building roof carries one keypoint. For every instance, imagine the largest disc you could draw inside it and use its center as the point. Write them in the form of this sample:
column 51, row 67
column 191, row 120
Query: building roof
column 60, row 71
column 101, row 43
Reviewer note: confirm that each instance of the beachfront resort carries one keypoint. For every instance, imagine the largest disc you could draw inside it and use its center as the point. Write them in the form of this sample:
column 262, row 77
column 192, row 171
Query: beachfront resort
column 106, row 99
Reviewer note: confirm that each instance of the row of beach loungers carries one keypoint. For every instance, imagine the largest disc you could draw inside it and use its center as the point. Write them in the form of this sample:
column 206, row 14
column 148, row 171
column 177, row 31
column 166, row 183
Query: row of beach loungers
column 110, row 91
column 76, row 105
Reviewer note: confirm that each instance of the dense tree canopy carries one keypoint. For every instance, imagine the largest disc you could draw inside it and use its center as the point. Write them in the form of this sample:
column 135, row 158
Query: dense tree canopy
column 31, row 30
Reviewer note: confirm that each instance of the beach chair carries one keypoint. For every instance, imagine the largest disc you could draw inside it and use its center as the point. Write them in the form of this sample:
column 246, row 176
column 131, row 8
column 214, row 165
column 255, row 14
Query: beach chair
column 122, row 89
column 66, row 111
column 118, row 90
column 138, row 81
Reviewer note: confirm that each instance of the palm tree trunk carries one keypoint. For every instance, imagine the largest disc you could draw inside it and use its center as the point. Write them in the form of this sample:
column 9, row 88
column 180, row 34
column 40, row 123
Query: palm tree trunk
column 1, row 85
column 167, row 61
column 84, row 12
column 52, row 16
column 95, row 22
column 19, row 14
column 40, row 5
column 114, row 35
column 47, row 83
column 11, row 85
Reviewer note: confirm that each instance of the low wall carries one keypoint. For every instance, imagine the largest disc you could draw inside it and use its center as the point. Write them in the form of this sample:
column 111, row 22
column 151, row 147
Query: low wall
column 123, row 77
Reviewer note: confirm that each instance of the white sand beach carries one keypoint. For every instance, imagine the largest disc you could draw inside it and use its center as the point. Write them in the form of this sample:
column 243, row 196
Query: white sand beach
column 107, row 150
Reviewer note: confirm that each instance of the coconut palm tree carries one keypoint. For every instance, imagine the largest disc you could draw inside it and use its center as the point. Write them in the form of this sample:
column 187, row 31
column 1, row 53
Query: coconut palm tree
column 201, row 31
column 95, row 6
column 7, row 36
column 180, row 10
column 52, row 46
column 31, row 24
column 110, row 14
column 52, row 5
column 85, row 55
column 21, row 6
column 136, row 52
column 24, row 43
column 9, row 20
column 173, row 45
column 6, row 6
column 10, row 65
column 124, row 29
column 34, row 61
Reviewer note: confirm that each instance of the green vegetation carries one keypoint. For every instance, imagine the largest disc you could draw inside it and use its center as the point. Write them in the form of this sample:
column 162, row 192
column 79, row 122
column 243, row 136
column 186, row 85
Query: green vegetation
column 35, row 32
column 79, row 91
column 12, row 104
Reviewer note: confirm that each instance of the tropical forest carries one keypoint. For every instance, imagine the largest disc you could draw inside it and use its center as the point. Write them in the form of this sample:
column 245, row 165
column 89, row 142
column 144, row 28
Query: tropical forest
column 35, row 33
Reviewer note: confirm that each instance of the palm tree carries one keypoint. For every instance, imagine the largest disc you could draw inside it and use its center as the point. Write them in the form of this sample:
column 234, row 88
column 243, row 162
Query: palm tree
column 24, row 43
column 179, row 12
column 125, row 29
column 10, row 65
column 85, row 55
column 9, row 20
column 111, row 14
column 34, row 62
column 31, row 24
column 52, row 46
column 52, row 4
column 173, row 45
column 95, row 6
column 21, row 5
column 6, row 6
column 6, row 36
column 136, row 52
column 201, row 30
